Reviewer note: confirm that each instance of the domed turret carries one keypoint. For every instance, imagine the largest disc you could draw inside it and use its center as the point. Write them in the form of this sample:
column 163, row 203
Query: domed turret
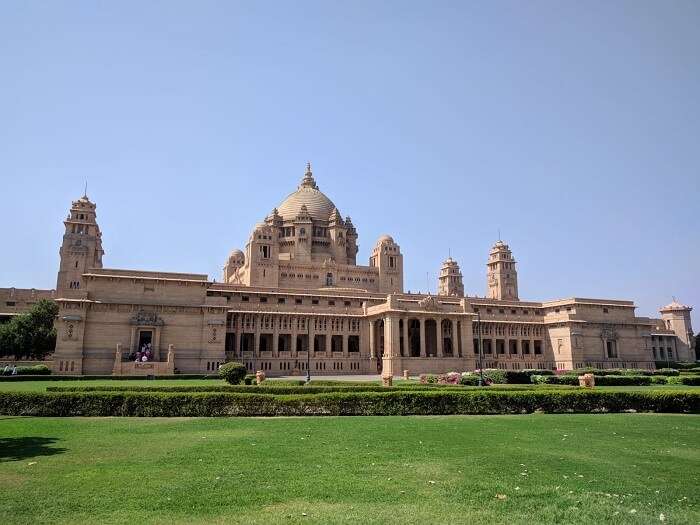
column 232, row 269
column 450, row 280
column 307, row 194
column 386, row 255
column 502, row 277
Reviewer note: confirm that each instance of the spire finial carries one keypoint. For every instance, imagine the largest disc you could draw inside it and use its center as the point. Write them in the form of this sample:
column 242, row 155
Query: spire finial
column 85, row 191
column 499, row 234
column 308, row 180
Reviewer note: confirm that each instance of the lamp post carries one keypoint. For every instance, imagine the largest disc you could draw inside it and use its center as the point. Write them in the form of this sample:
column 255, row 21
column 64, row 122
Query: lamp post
column 481, row 365
column 308, row 350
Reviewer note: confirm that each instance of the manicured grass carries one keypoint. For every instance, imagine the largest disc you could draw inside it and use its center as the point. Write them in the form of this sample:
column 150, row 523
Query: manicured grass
column 617, row 468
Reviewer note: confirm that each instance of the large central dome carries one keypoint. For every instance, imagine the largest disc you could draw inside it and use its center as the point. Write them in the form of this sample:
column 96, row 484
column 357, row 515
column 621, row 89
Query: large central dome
column 317, row 204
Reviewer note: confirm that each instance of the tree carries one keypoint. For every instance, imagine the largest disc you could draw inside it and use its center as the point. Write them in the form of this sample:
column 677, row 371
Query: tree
column 30, row 335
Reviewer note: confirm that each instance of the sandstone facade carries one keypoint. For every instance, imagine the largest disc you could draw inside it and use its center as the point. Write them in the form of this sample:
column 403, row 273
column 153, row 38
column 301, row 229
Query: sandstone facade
column 296, row 298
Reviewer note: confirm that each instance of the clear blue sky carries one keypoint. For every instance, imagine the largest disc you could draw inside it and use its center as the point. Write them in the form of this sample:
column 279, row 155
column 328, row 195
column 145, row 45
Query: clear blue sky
column 574, row 127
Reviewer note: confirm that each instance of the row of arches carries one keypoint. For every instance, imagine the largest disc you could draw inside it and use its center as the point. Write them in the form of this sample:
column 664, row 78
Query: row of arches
column 410, row 343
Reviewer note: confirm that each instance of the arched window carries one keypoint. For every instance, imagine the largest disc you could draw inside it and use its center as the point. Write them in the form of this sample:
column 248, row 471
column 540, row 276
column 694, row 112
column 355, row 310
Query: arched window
column 329, row 279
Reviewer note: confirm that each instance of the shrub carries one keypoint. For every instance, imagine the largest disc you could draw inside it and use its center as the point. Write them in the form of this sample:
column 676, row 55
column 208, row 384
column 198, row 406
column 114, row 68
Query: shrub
column 35, row 370
column 233, row 372
column 343, row 403
column 469, row 379
column 430, row 379
column 687, row 380
column 495, row 375
column 555, row 380
column 666, row 372
column 249, row 379
column 624, row 380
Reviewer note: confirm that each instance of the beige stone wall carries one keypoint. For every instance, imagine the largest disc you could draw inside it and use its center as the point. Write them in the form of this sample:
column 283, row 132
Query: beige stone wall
column 15, row 301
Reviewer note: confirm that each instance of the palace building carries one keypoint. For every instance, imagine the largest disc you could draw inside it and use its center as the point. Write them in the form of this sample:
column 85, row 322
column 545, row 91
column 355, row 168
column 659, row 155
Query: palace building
column 296, row 298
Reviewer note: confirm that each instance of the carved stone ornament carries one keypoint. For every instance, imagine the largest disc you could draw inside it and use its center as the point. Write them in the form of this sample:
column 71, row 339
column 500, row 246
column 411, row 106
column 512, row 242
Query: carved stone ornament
column 428, row 303
column 143, row 318
column 608, row 333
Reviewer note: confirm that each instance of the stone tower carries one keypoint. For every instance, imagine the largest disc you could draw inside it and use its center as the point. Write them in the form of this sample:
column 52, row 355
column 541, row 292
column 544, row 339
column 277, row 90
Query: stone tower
column 676, row 317
column 450, row 280
column 81, row 249
column 502, row 277
column 387, row 257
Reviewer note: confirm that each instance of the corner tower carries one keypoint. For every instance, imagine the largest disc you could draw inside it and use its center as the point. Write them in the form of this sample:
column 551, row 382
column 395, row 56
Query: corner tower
column 81, row 249
column 502, row 277
column 676, row 317
column 450, row 280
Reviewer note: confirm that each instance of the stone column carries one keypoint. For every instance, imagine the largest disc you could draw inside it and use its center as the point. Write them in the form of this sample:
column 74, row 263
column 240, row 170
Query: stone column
column 438, row 324
column 345, row 342
column 406, row 345
column 293, row 349
column 256, row 339
column 422, row 337
column 311, row 330
column 156, row 343
column 275, row 335
column 456, row 338
column 371, row 339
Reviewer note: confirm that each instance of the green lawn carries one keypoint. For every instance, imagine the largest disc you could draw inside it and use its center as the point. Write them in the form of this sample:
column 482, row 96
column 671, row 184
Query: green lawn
column 617, row 468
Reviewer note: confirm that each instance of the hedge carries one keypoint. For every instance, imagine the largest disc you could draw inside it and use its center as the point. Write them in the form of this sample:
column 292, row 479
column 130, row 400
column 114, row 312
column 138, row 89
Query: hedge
column 440, row 402
column 91, row 378
column 611, row 380
column 34, row 370
column 684, row 380
column 254, row 389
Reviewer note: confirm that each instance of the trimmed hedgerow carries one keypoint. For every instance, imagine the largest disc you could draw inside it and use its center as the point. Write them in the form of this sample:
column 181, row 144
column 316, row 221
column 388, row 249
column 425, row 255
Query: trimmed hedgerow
column 92, row 378
column 554, row 380
column 609, row 380
column 343, row 403
column 251, row 389
column 687, row 380
column 32, row 370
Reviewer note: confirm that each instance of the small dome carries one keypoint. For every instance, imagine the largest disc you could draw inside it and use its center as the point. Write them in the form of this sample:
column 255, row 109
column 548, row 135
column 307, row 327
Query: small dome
column 236, row 254
column 385, row 238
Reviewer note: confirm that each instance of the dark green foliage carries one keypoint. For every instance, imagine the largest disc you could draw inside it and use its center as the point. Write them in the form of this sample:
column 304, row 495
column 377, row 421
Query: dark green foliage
column 666, row 372
column 469, row 380
column 567, row 379
column 32, row 334
column 249, row 379
column 343, row 403
column 495, row 375
column 605, row 380
column 272, row 388
column 91, row 378
column 688, row 380
column 35, row 370
column 233, row 372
